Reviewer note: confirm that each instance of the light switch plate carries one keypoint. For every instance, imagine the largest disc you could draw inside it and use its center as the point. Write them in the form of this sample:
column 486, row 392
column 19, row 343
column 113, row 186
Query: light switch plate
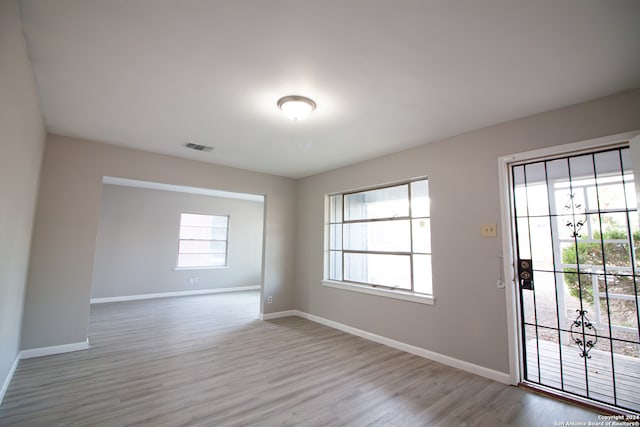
column 489, row 230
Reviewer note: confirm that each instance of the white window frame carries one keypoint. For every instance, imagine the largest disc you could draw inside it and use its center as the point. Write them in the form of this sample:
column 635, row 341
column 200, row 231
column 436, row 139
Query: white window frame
column 378, row 290
column 226, row 244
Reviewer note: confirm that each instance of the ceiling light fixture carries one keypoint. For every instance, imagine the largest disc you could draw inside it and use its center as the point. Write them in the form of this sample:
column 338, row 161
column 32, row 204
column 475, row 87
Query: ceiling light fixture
column 296, row 107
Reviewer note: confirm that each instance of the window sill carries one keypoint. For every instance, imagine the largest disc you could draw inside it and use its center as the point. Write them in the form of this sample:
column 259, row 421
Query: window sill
column 201, row 268
column 402, row 295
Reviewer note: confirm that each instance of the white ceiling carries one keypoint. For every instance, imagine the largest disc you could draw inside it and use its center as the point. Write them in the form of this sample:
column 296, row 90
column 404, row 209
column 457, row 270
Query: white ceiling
column 386, row 75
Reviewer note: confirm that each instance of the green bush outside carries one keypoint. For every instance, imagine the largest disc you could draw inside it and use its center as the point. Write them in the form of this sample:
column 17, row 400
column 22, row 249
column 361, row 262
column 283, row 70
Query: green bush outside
column 616, row 254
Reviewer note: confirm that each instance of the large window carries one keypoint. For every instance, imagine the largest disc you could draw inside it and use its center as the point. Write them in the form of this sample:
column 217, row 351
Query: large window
column 203, row 241
column 381, row 238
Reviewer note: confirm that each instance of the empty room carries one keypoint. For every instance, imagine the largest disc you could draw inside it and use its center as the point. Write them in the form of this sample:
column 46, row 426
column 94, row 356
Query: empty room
column 304, row 213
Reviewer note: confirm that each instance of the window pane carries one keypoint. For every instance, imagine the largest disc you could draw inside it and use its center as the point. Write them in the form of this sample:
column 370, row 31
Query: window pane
column 202, row 247
column 519, row 191
column 335, row 265
column 335, row 236
column 382, row 203
column 335, row 208
column 202, row 240
column 421, row 236
column 630, row 191
column 422, row 274
column 558, row 188
column 201, row 260
column 220, row 221
column 420, row 199
column 536, row 189
column 582, row 175
column 627, row 169
column 219, row 233
column 617, row 255
column 374, row 235
column 614, row 226
column 203, row 220
column 377, row 269
column 611, row 196
column 196, row 220
column 201, row 233
column 386, row 236
column 524, row 248
column 541, row 245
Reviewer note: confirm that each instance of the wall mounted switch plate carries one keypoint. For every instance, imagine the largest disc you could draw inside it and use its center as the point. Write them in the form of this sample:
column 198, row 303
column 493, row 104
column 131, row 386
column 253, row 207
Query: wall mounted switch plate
column 489, row 230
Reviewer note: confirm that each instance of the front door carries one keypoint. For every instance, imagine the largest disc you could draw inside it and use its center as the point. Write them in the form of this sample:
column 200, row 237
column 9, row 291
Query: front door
column 576, row 231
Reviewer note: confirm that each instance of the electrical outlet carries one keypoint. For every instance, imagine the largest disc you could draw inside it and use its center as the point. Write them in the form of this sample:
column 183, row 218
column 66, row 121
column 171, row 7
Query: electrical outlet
column 489, row 230
column 269, row 299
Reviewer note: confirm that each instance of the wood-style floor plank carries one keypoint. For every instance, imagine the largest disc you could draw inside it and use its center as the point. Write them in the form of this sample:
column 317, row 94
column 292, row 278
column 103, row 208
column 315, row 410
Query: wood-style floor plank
column 600, row 378
column 207, row 361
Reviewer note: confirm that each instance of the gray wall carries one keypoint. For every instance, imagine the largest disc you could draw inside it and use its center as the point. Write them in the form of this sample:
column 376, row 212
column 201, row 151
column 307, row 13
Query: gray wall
column 66, row 225
column 22, row 140
column 137, row 242
column 468, row 321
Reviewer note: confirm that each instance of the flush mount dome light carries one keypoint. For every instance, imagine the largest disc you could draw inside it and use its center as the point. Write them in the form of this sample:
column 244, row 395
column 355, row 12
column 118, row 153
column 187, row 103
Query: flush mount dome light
column 296, row 107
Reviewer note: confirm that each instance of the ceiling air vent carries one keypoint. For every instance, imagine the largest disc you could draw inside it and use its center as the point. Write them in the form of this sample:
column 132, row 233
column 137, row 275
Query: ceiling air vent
column 198, row 147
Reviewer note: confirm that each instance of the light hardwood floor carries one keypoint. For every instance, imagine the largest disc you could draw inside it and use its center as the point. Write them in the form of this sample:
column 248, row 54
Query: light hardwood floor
column 600, row 378
column 207, row 361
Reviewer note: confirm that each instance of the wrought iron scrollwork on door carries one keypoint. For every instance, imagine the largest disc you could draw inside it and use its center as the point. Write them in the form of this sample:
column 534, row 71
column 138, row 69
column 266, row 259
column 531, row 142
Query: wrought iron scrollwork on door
column 579, row 329
column 583, row 332
column 576, row 225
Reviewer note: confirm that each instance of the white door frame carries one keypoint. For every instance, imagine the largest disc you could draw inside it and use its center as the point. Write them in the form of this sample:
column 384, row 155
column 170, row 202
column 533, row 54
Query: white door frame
column 513, row 329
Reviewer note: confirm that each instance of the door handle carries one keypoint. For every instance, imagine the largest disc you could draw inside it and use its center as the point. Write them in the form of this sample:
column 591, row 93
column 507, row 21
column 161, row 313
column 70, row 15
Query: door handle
column 525, row 274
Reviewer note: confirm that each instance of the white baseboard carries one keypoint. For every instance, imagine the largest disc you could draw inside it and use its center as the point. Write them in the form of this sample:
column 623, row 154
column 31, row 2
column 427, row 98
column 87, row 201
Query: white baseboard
column 7, row 380
column 56, row 349
column 172, row 294
column 279, row 314
column 492, row 374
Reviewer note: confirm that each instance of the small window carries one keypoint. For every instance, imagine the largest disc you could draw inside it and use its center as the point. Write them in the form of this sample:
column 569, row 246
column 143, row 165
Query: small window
column 203, row 241
column 381, row 238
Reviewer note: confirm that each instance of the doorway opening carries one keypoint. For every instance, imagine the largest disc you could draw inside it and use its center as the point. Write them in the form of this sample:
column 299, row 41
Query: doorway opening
column 158, row 240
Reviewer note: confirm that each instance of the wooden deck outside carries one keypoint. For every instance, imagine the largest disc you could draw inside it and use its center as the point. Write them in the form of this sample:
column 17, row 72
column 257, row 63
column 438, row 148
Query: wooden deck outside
column 598, row 384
